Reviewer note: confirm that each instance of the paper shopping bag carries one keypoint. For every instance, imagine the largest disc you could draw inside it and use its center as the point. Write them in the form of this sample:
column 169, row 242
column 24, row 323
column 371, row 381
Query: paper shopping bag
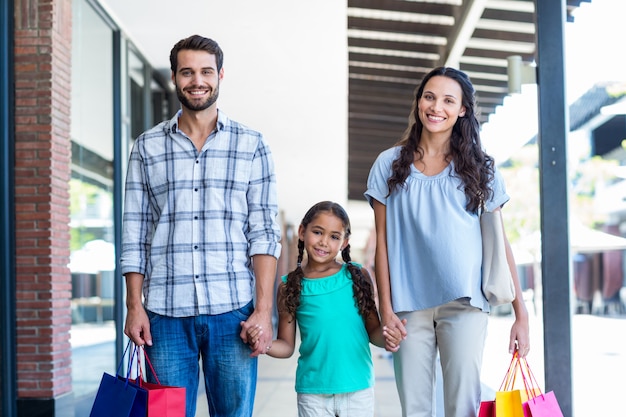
column 509, row 400
column 163, row 400
column 117, row 396
column 538, row 404
column 487, row 409
column 544, row 405
column 509, row 404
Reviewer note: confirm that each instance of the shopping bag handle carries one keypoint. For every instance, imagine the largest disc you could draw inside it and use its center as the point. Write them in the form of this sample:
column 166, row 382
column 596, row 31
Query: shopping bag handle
column 509, row 377
column 528, row 378
column 130, row 362
column 156, row 378
column 520, row 365
column 532, row 381
column 140, row 376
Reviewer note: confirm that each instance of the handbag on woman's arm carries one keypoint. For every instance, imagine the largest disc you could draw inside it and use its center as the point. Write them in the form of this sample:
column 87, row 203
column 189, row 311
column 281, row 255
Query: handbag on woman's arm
column 497, row 282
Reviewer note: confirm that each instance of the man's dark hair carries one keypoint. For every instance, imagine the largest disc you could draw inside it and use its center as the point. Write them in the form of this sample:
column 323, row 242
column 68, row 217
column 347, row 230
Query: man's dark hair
column 197, row 43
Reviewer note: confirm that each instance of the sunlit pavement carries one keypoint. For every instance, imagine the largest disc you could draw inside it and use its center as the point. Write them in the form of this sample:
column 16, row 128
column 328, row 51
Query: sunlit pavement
column 598, row 351
column 598, row 369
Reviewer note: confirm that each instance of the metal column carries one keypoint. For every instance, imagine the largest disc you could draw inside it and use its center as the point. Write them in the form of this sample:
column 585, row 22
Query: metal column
column 556, row 263
column 118, row 181
column 8, row 372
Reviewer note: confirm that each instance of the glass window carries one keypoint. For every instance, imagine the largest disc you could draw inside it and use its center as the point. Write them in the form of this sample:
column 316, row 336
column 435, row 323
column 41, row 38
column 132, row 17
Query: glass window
column 136, row 75
column 148, row 100
column 144, row 102
column 92, row 258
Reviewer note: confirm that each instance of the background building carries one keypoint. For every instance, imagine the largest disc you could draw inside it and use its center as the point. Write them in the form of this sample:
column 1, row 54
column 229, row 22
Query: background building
column 328, row 82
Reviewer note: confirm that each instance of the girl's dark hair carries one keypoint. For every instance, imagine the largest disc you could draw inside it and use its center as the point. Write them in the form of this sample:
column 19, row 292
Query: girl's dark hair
column 361, row 286
column 471, row 164
column 196, row 43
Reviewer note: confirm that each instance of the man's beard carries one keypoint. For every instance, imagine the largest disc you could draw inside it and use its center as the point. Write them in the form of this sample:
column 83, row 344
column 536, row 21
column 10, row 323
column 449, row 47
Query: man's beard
column 201, row 106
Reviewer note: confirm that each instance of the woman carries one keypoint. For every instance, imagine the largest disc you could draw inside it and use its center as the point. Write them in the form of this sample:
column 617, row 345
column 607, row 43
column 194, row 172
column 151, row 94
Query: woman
column 427, row 193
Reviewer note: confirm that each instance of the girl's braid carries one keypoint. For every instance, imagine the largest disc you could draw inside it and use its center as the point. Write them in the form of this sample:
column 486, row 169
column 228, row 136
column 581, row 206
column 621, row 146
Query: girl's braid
column 292, row 288
column 361, row 286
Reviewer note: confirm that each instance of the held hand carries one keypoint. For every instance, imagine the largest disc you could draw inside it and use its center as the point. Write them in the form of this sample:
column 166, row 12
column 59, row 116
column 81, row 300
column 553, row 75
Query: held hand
column 253, row 334
column 257, row 332
column 137, row 327
column 393, row 337
column 394, row 331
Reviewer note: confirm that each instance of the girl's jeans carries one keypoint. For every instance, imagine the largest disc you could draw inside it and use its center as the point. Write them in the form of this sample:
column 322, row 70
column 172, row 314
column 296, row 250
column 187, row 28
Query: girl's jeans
column 230, row 373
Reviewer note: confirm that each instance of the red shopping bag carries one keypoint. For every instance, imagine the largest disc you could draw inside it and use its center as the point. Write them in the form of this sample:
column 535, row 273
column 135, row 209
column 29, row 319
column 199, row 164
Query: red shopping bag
column 487, row 409
column 163, row 400
column 538, row 403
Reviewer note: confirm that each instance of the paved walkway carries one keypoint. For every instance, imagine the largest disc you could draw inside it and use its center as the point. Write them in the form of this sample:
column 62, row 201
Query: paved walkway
column 599, row 366
column 276, row 396
column 598, row 352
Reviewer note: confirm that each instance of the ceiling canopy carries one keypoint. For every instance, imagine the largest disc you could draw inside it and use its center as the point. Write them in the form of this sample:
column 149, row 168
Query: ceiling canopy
column 392, row 44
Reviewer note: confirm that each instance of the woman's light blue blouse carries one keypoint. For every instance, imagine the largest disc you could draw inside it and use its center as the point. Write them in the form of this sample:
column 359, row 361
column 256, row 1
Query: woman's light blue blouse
column 434, row 244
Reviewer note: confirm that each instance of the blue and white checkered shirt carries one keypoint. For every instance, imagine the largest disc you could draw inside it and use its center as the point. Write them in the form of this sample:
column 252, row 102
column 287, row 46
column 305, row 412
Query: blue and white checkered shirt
column 193, row 220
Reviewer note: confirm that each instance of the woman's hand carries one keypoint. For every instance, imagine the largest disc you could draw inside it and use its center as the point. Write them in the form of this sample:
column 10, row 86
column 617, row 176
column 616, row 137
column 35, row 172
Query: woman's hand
column 394, row 331
column 394, row 336
column 520, row 336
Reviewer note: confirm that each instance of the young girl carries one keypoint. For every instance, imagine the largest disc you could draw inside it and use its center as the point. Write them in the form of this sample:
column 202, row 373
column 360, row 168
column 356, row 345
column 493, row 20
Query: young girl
column 333, row 305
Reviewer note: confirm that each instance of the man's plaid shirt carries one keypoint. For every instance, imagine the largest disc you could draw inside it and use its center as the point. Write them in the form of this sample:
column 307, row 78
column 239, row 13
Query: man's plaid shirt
column 192, row 220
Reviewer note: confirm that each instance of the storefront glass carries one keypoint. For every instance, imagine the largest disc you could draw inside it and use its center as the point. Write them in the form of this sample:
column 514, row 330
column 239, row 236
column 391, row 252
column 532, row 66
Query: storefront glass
column 143, row 101
column 92, row 259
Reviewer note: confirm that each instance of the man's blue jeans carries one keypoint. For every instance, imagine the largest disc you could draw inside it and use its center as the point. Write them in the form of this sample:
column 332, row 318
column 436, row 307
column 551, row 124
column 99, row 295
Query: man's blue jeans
column 230, row 373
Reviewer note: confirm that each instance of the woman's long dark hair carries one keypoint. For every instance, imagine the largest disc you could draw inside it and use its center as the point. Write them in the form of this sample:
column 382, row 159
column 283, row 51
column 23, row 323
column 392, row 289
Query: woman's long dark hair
column 471, row 164
column 361, row 286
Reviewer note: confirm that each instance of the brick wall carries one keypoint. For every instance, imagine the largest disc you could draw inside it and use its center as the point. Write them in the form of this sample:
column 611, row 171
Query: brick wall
column 43, row 33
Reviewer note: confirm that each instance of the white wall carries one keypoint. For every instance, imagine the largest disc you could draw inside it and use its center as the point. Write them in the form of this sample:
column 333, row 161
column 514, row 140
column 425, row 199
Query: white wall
column 286, row 74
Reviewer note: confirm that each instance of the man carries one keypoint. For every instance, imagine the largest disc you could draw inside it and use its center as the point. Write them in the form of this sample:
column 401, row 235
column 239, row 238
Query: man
column 201, row 240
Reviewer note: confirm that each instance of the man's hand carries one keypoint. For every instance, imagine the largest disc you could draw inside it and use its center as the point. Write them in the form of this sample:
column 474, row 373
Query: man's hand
column 257, row 332
column 137, row 327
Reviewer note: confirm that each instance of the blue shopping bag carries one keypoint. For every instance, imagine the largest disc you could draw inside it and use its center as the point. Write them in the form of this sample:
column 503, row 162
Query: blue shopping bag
column 118, row 396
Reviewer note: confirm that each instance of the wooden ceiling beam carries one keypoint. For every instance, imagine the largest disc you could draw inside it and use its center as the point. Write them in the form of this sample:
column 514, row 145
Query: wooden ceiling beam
column 394, row 26
column 404, row 6
column 394, row 45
